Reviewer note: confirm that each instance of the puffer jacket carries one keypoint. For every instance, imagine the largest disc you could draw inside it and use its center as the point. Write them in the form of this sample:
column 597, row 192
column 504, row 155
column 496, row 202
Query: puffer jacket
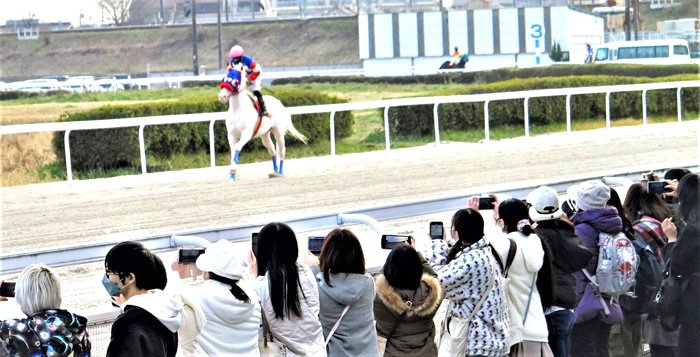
column 50, row 332
column 414, row 334
column 588, row 225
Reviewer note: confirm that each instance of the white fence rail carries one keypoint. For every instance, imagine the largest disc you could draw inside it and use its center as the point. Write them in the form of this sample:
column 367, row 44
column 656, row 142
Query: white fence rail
column 141, row 123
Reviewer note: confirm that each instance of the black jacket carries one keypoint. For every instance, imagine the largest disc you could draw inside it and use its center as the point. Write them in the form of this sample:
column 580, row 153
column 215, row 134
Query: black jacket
column 569, row 256
column 138, row 333
column 685, row 261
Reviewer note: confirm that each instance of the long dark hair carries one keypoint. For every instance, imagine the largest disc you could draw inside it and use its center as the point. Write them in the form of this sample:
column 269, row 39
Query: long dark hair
column 341, row 253
column 403, row 268
column 512, row 211
column 689, row 199
column 469, row 226
column 639, row 201
column 236, row 290
column 615, row 201
column 277, row 256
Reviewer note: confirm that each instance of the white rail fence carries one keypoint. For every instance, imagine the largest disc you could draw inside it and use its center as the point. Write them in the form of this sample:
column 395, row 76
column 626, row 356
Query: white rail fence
column 142, row 122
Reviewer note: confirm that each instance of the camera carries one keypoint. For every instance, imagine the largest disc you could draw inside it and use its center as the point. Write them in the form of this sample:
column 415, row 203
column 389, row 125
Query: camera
column 189, row 255
column 436, row 230
column 486, row 202
column 315, row 244
column 389, row 241
column 657, row 187
column 7, row 289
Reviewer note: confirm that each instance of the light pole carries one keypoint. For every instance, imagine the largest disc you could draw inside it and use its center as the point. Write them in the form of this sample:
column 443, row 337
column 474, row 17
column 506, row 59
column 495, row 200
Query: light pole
column 218, row 28
column 195, row 61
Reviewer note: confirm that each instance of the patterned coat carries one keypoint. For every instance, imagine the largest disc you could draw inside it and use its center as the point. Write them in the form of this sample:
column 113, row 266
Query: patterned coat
column 464, row 281
column 47, row 333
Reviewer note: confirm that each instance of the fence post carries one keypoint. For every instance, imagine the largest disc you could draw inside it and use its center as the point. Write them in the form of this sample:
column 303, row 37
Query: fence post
column 678, row 104
column 212, row 139
column 332, row 133
column 387, row 140
column 69, row 166
column 527, row 117
column 436, row 123
column 644, row 107
column 568, row 113
column 487, row 133
column 607, row 110
column 142, row 149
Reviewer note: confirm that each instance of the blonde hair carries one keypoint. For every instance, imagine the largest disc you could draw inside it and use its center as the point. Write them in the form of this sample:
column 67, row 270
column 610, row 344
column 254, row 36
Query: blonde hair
column 38, row 289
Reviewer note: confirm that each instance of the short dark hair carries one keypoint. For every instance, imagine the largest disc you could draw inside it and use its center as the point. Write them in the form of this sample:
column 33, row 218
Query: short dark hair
column 403, row 268
column 676, row 174
column 341, row 253
column 133, row 258
column 689, row 199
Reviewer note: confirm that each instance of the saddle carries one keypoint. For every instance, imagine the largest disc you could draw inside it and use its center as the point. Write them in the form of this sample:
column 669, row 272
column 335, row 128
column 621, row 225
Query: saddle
column 257, row 108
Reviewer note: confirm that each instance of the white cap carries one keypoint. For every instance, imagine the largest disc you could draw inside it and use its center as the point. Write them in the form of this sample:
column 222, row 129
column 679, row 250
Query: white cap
column 545, row 204
column 220, row 258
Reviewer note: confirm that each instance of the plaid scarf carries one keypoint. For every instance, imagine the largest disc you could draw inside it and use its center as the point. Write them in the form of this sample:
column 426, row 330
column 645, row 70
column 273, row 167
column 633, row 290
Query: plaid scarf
column 650, row 229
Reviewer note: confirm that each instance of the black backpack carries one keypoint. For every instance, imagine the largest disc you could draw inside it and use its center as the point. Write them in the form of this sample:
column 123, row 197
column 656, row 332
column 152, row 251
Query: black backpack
column 649, row 274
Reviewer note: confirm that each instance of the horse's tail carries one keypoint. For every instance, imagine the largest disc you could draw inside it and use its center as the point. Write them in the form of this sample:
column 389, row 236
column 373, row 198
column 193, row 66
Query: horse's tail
column 296, row 132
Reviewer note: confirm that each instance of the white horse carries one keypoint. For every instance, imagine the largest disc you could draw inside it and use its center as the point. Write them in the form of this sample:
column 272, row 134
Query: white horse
column 244, row 123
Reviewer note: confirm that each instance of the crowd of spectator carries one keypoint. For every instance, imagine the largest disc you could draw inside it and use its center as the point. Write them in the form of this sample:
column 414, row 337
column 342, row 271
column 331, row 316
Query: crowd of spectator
column 533, row 287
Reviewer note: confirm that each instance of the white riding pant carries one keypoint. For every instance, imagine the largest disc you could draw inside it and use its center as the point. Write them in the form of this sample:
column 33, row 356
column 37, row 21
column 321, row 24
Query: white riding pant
column 256, row 84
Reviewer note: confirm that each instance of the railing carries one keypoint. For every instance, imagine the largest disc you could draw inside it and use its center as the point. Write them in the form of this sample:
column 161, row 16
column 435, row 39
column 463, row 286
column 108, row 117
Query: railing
column 142, row 122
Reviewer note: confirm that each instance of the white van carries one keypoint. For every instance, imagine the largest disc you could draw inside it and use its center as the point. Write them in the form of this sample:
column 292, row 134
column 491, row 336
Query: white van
column 669, row 51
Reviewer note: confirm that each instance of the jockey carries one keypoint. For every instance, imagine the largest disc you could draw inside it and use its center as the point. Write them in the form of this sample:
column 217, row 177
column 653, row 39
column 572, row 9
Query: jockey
column 253, row 71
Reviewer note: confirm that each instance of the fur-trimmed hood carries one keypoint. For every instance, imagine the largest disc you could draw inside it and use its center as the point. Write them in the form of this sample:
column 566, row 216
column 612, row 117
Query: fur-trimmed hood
column 426, row 301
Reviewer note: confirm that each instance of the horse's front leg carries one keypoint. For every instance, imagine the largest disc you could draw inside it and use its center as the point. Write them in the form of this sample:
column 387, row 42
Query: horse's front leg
column 236, row 147
column 232, row 142
column 267, row 142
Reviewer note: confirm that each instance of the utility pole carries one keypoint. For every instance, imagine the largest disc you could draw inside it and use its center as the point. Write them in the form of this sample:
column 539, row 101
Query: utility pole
column 628, row 36
column 218, row 28
column 162, row 13
column 195, row 61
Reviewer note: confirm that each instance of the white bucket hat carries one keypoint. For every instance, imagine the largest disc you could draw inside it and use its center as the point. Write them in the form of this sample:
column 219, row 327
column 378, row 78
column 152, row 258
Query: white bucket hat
column 221, row 259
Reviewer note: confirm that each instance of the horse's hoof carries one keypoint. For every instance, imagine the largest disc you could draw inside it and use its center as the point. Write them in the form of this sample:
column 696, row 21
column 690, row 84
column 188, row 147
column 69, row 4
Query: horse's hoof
column 274, row 175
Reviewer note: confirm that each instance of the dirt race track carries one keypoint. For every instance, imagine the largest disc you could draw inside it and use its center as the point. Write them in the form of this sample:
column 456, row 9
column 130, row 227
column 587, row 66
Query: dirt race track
column 47, row 215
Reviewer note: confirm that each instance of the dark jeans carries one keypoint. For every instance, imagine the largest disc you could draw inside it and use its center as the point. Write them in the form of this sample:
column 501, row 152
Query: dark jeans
column 590, row 339
column 662, row 351
column 560, row 324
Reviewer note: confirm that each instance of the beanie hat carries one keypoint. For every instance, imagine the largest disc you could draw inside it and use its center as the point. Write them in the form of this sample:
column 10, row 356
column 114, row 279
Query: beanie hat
column 545, row 204
column 593, row 194
column 220, row 258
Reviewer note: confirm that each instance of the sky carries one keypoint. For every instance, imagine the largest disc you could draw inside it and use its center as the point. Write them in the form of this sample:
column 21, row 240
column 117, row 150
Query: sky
column 51, row 10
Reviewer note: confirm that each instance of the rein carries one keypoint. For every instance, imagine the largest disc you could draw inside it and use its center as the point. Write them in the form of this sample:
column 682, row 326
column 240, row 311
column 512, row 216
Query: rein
column 260, row 117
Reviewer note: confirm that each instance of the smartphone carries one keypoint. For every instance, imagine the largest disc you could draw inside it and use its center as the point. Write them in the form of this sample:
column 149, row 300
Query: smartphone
column 254, row 243
column 486, row 202
column 189, row 255
column 315, row 244
column 389, row 241
column 7, row 289
column 436, row 230
column 656, row 186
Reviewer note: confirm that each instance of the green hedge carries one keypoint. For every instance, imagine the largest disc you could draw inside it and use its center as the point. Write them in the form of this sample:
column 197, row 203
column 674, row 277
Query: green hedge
column 418, row 120
column 497, row 75
column 115, row 148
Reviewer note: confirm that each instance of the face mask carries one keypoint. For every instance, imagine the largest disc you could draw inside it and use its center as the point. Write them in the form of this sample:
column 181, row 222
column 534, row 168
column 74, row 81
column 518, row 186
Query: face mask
column 111, row 287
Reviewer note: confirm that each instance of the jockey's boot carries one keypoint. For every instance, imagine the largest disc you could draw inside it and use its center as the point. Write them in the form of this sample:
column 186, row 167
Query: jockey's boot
column 263, row 109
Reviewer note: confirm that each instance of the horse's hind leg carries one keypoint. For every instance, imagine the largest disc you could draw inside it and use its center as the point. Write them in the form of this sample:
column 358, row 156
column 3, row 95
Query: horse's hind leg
column 281, row 149
column 267, row 142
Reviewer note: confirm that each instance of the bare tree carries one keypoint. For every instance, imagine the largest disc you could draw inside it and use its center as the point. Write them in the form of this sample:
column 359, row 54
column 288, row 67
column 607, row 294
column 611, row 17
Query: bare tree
column 118, row 10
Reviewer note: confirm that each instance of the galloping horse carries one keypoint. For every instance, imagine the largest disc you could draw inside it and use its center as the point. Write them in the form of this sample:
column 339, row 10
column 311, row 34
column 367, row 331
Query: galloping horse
column 245, row 123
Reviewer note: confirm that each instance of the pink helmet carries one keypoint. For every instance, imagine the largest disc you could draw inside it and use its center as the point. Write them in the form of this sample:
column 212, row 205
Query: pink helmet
column 236, row 51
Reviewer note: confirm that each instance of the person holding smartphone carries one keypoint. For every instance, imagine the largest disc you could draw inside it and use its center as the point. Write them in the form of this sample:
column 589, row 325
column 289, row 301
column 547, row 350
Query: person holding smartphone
column 38, row 293
column 470, row 278
column 288, row 292
column 408, row 297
